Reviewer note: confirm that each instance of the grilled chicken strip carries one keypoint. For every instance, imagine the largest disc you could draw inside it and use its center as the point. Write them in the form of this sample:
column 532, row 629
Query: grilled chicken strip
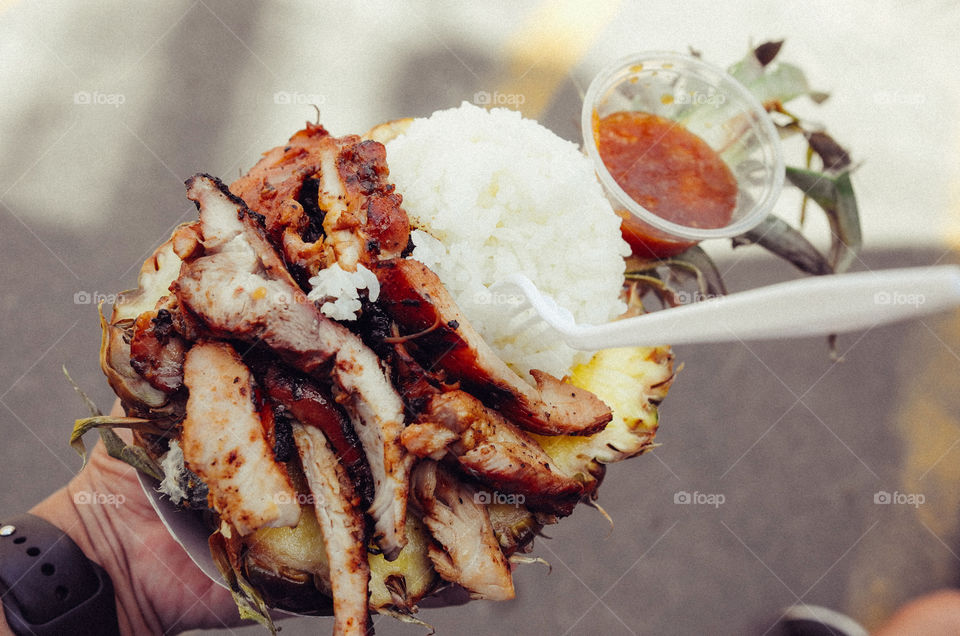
column 223, row 442
column 414, row 297
column 489, row 448
column 309, row 403
column 240, row 289
column 326, row 199
column 469, row 554
column 338, row 512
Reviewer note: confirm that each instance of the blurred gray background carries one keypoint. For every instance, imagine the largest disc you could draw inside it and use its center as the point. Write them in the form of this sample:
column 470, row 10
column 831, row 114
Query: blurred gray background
column 107, row 107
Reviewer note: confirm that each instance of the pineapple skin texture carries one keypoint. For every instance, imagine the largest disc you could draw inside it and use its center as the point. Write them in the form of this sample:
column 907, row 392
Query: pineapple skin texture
column 632, row 381
column 300, row 551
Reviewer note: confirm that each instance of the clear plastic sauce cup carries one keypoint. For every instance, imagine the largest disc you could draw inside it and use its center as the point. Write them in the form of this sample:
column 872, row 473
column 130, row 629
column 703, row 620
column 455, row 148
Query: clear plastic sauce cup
column 707, row 102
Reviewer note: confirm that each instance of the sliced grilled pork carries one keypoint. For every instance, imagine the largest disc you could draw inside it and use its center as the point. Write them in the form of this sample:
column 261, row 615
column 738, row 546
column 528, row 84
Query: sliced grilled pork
column 308, row 402
column 157, row 351
column 416, row 299
column 488, row 447
column 338, row 511
column 223, row 442
column 469, row 554
column 327, row 200
column 240, row 289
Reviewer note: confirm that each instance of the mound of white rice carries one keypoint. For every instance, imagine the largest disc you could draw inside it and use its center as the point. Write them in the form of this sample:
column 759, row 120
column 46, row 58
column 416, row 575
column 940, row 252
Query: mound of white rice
column 492, row 194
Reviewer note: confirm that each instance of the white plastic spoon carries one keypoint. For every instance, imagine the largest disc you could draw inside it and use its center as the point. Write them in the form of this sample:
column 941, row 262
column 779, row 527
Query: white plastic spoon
column 815, row 306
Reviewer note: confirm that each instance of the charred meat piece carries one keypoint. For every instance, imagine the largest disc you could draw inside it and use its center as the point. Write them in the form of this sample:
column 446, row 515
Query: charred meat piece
column 416, row 299
column 468, row 553
column 223, row 443
column 415, row 384
column 338, row 512
column 306, row 401
column 157, row 352
column 364, row 221
column 240, row 289
column 327, row 199
column 489, row 448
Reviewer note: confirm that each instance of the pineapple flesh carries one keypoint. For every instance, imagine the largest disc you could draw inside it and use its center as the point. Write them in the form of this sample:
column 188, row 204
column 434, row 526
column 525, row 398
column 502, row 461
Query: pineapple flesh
column 632, row 381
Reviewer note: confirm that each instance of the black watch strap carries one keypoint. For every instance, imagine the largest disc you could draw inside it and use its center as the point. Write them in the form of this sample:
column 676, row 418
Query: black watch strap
column 48, row 585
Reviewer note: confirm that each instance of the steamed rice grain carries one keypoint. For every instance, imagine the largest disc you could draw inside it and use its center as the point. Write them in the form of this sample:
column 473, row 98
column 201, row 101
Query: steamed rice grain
column 493, row 193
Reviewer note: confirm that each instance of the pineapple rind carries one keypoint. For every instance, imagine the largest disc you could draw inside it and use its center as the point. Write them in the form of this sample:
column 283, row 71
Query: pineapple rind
column 302, row 548
column 413, row 564
column 632, row 381
column 153, row 283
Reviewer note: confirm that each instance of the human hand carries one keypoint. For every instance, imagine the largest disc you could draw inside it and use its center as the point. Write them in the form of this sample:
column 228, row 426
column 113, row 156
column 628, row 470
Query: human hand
column 158, row 588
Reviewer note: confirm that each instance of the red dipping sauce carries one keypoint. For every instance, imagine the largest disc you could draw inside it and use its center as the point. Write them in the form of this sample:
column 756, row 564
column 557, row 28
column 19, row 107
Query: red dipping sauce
column 669, row 171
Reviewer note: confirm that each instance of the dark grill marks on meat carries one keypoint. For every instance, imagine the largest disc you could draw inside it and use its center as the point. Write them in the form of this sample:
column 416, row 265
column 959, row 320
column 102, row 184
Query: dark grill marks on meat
column 156, row 353
column 313, row 232
column 325, row 200
column 163, row 323
column 483, row 444
column 374, row 326
column 363, row 167
column 416, row 299
column 283, row 446
column 277, row 179
column 414, row 383
column 363, row 170
column 306, row 401
column 240, row 289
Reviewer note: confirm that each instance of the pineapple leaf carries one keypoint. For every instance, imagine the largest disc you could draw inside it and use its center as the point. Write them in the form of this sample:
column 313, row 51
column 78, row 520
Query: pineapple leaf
column 772, row 84
column 94, row 411
column 702, row 266
column 767, row 51
column 519, row 558
column 670, row 279
column 116, row 447
column 834, row 195
column 834, row 156
column 780, row 238
column 250, row 604
column 138, row 458
column 407, row 618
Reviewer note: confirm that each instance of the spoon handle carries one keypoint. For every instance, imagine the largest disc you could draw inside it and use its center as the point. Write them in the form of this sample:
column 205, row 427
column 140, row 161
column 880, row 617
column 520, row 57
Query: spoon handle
column 816, row 306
